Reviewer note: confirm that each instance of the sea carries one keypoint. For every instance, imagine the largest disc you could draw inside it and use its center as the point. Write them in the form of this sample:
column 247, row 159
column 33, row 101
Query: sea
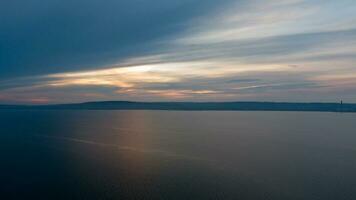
column 87, row 154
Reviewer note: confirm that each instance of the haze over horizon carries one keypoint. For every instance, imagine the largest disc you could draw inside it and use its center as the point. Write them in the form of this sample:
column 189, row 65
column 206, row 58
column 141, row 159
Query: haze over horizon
column 61, row 51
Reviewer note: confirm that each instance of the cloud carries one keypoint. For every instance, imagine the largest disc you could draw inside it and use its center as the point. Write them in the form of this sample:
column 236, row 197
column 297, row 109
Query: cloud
column 39, row 37
column 237, row 50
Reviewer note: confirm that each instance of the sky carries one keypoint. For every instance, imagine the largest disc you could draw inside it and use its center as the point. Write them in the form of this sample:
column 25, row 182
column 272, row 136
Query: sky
column 62, row 51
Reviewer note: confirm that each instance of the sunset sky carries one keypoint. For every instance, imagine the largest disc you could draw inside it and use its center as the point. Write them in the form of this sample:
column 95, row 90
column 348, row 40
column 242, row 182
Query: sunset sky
column 61, row 51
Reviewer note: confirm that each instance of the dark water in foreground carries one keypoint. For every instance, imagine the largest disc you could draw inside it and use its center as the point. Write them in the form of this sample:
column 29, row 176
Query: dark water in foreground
column 177, row 155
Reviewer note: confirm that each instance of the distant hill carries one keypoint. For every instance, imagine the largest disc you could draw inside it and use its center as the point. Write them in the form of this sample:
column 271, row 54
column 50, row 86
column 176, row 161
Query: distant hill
column 195, row 106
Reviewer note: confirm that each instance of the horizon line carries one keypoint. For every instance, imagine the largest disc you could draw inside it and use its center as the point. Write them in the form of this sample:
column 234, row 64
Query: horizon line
column 193, row 102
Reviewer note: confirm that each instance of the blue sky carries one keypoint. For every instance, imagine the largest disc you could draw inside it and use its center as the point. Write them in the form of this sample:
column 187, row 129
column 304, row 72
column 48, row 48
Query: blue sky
column 59, row 51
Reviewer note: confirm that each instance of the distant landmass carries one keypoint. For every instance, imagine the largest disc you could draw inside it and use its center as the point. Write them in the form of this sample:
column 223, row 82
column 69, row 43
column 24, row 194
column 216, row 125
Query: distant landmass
column 195, row 106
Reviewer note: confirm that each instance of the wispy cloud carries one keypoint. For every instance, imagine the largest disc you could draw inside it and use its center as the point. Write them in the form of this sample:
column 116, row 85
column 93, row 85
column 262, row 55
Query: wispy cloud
column 252, row 50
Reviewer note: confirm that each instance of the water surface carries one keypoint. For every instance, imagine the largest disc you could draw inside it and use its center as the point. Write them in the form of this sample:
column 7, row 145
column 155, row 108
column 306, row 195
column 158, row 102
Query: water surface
column 177, row 155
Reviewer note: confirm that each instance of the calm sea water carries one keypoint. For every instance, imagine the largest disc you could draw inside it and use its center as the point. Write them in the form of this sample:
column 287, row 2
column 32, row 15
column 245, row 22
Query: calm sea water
column 177, row 155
